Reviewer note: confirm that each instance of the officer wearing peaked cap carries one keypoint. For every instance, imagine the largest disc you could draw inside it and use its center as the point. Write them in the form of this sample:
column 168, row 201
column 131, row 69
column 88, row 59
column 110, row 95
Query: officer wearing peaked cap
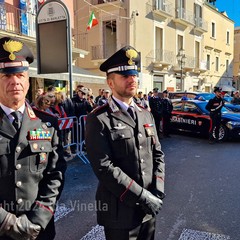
column 30, row 176
column 125, row 154
column 214, row 106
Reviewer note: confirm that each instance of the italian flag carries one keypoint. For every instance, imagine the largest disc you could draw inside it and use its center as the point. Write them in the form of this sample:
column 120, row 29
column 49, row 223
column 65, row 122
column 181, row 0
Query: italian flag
column 92, row 21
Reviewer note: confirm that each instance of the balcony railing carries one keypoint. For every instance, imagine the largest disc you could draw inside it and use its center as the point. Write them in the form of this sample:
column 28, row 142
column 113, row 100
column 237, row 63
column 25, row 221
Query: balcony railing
column 104, row 51
column 199, row 23
column 164, row 6
column 185, row 15
column 18, row 21
column 95, row 2
column 81, row 40
column 160, row 56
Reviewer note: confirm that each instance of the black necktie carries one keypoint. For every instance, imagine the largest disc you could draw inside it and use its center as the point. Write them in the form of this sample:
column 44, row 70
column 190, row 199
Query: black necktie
column 131, row 111
column 17, row 119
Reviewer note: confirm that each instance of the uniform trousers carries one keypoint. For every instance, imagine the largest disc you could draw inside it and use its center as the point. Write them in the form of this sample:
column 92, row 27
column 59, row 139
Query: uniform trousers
column 145, row 231
column 215, row 124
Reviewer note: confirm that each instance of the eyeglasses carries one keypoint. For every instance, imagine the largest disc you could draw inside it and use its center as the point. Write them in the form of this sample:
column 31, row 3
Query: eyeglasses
column 51, row 96
column 47, row 102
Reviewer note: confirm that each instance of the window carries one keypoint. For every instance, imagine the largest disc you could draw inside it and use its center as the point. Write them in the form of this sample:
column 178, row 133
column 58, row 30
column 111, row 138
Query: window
column 197, row 54
column 160, row 5
column 159, row 44
column 208, row 61
column 198, row 15
column 228, row 38
column 190, row 107
column 213, row 30
column 217, row 64
column 177, row 106
column 179, row 42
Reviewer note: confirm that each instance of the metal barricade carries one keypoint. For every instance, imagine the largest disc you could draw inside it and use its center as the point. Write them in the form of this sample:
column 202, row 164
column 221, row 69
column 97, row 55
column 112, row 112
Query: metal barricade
column 82, row 123
column 76, row 127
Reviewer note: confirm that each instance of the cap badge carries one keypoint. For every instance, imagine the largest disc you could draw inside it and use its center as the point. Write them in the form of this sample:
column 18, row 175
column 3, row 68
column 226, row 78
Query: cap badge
column 131, row 53
column 12, row 46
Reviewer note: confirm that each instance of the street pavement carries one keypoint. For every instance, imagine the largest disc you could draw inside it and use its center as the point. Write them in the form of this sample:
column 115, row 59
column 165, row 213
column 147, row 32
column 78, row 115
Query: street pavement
column 202, row 194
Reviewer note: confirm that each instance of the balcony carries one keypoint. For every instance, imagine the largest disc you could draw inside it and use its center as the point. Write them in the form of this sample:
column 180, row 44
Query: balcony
column 17, row 21
column 161, row 10
column 22, row 23
column 115, row 3
column 160, row 59
column 101, row 52
column 184, row 17
column 200, row 25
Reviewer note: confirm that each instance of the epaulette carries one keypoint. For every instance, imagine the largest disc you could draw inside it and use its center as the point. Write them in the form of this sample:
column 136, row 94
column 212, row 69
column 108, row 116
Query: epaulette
column 43, row 112
column 100, row 108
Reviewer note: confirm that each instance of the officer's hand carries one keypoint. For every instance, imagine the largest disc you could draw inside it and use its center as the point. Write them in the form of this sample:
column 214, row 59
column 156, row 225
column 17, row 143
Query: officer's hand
column 7, row 223
column 149, row 203
column 23, row 229
column 158, row 193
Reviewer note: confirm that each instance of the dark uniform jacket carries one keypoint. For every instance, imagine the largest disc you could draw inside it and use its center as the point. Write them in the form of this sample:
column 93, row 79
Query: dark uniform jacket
column 155, row 104
column 30, row 175
column 126, row 156
column 215, row 105
column 167, row 107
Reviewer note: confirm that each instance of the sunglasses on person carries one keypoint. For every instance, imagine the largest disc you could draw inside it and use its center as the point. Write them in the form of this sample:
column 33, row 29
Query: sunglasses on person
column 47, row 102
column 51, row 96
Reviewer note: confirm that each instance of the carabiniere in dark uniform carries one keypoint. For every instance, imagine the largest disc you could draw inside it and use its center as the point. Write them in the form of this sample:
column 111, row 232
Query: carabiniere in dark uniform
column 129, row 161
column 214, row 106
column 24, row 161
column 31, row 159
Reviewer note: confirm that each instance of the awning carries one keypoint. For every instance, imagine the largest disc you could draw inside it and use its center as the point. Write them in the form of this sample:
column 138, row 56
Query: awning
column 78, row 75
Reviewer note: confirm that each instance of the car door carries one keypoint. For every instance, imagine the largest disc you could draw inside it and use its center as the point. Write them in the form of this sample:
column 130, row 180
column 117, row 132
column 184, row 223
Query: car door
column 177, row 116
column 194, row 119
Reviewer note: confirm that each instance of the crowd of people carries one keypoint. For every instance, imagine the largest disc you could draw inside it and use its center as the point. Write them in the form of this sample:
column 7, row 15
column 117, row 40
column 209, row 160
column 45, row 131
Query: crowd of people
column 83, row 102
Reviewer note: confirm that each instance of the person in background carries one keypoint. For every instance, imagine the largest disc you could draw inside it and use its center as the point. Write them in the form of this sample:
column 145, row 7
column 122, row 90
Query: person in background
column 150, row 94
column 31, row 176
column 155, row 104
column 167, row 108
column 90, row 98
column 39, row 91
column 214, row 106
column 104, row 99
column 142, row 100
column 43, row 103
column 145, row 96
column 69, row 110
column 125, row 154
column 100, row 94
column 81, row 107
column 236, row 98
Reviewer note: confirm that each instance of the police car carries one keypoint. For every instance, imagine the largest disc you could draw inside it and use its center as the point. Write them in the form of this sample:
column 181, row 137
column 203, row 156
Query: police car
column 191, row 116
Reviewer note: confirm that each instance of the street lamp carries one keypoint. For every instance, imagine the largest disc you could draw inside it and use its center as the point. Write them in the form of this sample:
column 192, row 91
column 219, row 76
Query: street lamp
column 181, row 62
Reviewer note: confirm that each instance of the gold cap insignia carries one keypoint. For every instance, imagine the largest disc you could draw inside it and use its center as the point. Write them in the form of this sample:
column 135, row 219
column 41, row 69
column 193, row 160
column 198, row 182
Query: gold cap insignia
column 11, row 47
column 131, row 53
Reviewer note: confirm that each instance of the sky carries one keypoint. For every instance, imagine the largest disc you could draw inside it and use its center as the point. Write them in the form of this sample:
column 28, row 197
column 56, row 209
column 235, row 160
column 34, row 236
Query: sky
column 232, row 7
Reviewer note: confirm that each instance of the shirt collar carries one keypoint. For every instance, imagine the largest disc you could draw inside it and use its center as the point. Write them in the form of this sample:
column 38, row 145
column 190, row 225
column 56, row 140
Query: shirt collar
column 8, row 110
column 123, row 105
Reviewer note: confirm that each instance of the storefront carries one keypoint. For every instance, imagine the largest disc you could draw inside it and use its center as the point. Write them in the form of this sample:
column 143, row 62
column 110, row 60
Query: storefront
column 61, row 80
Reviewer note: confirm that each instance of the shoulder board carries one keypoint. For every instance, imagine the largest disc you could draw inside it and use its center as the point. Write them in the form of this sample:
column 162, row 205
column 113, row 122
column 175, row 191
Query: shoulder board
column 36, row 110
column 100, row 108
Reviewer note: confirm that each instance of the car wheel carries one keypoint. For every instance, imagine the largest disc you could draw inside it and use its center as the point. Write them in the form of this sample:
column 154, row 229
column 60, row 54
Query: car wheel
column 223, row 133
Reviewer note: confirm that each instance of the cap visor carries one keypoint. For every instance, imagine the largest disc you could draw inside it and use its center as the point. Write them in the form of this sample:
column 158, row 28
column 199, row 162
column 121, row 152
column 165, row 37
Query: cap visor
column 11, row 70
